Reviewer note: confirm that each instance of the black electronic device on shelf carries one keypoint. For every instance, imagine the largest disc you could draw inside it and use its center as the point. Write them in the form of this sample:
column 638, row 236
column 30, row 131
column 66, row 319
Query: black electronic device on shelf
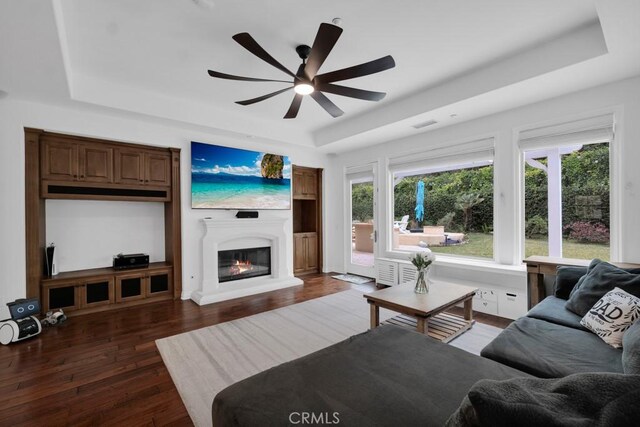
column 247, row 214
column 124, row 261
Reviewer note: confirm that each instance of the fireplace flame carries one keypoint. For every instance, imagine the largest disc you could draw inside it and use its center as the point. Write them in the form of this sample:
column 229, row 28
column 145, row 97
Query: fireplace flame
column 240, row 267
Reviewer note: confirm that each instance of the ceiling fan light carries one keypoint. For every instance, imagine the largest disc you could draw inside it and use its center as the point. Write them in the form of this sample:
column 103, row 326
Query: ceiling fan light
column 303, row 88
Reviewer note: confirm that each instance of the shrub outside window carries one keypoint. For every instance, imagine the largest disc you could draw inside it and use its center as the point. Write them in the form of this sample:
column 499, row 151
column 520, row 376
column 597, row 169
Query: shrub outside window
column 456, row 206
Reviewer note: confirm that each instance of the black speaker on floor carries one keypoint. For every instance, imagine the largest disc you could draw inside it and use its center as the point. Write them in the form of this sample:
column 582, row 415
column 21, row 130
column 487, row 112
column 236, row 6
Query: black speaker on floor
column 247, row 214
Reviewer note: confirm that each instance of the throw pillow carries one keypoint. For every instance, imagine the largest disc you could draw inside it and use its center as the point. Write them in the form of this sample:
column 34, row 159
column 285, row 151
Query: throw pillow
column 566, row 279
column 599, row 280
column 631, row 350
column 612, row 315
column 568, row 282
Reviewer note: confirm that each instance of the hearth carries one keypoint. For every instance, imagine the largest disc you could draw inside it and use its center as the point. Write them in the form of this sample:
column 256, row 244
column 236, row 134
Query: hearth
column 238, row 264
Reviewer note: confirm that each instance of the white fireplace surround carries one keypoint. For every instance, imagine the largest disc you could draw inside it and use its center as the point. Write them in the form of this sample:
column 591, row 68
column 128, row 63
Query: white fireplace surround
column 226, row 234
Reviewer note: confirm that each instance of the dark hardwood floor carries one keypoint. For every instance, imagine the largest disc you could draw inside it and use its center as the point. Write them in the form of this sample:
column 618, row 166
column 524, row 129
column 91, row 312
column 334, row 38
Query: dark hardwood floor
column 105, row 369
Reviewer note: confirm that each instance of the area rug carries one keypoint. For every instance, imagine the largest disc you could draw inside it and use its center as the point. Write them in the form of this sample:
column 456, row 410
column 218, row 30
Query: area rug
column 205, row 361
column 352, row 278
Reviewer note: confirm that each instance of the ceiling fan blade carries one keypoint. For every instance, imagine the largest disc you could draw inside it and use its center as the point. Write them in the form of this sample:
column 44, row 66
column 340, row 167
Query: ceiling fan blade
column 326, row 38
column 244, row 79
column 351, row 92
column 263, row 97
column 325, row 103
column 246, row 41
column 295, row 107
column 371, row 67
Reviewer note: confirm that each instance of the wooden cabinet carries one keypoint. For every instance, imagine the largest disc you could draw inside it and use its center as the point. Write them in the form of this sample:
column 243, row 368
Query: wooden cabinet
column 129, row 167
column 64, row 295
column 101, row 289
column 143, row 168
column 158, row 284
column 307, row 219
column 67, row 160
column 305, row 248
column 73, row 161
column 305, row 183
column 97, row 292
column 95, row 163
column 59, row 161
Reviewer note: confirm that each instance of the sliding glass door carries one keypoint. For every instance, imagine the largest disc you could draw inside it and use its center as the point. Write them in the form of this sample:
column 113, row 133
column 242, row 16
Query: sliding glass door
column 362, row 235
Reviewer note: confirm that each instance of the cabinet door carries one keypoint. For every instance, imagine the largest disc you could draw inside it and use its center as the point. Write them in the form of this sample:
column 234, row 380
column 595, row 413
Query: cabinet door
column 61, row 295
column 312, row 251
column 298, row 182
column 310, row 183
column 130, row 287
column 159, row 283
column 97, row 292
column 158, row 169
column 59, row 161
column 129, row 166
column 299, row 252
column 96, row 163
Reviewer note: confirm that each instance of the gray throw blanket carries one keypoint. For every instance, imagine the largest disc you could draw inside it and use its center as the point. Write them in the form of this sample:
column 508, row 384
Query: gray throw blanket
column 591, row 399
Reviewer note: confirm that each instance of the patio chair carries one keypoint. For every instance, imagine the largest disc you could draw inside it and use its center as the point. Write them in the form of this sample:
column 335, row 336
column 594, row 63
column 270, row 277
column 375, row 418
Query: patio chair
column 402, row 224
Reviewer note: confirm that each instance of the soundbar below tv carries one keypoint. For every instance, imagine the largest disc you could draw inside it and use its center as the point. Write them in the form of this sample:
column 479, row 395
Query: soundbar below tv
column 231, row 178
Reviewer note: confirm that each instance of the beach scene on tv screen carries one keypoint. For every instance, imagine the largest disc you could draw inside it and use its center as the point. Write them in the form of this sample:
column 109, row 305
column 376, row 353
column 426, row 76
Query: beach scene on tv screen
column 231, row 178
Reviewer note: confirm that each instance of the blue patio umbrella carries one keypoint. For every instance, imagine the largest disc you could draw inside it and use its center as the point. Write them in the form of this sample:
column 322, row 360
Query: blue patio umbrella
column 420, row 201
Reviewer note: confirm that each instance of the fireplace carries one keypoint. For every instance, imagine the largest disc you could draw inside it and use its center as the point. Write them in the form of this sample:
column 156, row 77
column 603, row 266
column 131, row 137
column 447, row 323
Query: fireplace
column 225, row 241
column 238, row 264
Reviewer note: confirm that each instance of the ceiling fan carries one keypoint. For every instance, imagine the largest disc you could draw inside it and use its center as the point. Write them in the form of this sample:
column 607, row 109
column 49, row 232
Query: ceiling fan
column 306, row 81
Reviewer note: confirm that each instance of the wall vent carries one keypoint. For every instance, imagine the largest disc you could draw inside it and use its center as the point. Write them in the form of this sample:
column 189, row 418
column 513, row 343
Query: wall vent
column 425, row 124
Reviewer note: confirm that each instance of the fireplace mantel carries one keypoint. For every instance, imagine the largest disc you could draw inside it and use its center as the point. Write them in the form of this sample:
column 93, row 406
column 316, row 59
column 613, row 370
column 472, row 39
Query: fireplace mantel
column 225, row 234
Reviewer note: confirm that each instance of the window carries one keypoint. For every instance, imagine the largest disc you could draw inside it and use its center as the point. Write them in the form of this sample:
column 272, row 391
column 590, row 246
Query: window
column 567, row 189
column 446, row 207
column 567, row 201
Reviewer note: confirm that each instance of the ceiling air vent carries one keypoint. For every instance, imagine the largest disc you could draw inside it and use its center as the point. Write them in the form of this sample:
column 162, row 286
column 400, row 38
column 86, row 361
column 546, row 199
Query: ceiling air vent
column 425, row 124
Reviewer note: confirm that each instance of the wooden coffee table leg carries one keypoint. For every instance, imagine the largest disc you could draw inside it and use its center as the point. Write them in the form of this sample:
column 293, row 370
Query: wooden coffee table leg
column 468, row 309
column 423, row 326
column 375, row 315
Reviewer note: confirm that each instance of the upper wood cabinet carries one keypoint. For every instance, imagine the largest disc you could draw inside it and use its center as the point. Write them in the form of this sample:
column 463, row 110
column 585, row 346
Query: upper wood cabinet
column 59, row 161
column 142, row 168
column 129, row 166
column 96, row 163
column 305, row 183
column 158, row 169
column 73, row 161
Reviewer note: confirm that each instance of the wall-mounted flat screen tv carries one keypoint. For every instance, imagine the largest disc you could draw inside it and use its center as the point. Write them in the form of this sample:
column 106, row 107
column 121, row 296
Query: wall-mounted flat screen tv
column 231, row 178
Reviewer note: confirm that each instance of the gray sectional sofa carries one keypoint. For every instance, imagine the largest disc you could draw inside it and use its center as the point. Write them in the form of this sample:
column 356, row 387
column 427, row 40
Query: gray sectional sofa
column 544, row 369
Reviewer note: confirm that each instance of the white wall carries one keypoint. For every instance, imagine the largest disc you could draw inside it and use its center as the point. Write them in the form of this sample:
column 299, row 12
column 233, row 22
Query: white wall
column 623, row 97
column 87, row 233
column 89, row 121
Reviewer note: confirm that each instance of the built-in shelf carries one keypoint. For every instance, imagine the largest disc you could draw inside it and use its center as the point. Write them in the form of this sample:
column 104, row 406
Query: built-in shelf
column 307, row 220
column 59, row 166
column 99, row 289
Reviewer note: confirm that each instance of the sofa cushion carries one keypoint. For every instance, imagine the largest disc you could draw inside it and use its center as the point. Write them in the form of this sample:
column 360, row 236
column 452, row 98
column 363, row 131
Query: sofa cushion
column 552, row 310
column 601, row 278
column 389, row 376
column 566, row 279
column 631, row 350
column 548, row 350
column 592, row 399
column 612, row 315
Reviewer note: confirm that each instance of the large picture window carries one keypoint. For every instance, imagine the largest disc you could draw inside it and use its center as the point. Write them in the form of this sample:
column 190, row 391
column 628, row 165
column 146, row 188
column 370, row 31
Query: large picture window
column 567, row 188
column 567, row 201
column 447, row 208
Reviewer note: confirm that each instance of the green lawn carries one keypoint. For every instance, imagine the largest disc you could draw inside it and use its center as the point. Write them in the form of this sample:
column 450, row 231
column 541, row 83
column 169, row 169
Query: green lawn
column 481, row 245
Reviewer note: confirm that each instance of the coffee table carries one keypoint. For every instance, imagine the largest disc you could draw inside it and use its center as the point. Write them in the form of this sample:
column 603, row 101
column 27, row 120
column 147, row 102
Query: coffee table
column 426, row 308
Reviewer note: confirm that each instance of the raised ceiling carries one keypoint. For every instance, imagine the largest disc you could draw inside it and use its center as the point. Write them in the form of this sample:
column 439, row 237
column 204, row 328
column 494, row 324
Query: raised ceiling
column 461, row 57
